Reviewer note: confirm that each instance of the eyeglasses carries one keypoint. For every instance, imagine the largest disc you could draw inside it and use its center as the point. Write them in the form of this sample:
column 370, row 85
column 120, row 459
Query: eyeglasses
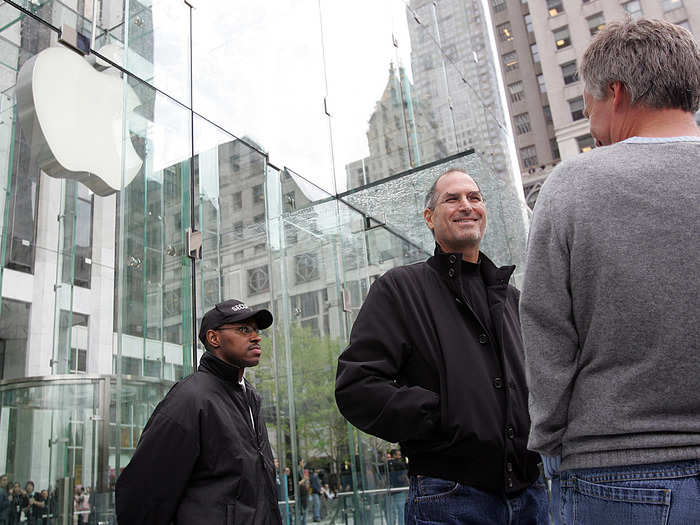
column 243, row 329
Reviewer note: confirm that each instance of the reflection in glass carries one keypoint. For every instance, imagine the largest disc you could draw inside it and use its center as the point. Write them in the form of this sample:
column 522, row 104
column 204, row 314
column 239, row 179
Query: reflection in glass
column 98, row 291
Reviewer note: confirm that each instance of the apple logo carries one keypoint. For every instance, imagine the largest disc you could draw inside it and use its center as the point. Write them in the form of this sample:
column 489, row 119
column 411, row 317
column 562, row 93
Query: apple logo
column 72, row 116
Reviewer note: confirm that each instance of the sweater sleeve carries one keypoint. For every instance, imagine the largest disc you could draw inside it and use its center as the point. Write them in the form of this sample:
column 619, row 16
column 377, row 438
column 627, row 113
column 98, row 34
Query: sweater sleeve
column 149, row 489
column 549, row 333
column 367, row 388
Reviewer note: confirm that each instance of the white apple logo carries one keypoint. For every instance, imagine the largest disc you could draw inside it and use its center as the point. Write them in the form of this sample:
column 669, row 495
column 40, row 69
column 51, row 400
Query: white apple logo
column 72, row 117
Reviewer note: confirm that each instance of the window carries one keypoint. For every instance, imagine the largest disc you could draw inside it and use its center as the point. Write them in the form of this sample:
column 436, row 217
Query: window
column 510, row 61
column 569, row 72
column 522, row 123
column 516, row 91
column 498, row 5
column 305, row 305
column 554, row 7
column 504, row 31
column 172, row 334
column 236, row 201
column 547, row 114
column 22, row 217
column 258, row 280
column 562, row 38
column 210, row 291
column 540, row 82
column 555, row 149
column 596, row 22
column 670, row 5
column 585, row 143
column 576, row 108
column 235, row 164
column 535, row 53
column 237, row 230
column 258, row 193
column 528, row 154
column 306, row 267
column 77, row 235
column 633, row 9
column 73, row 343
column 528, row 23
column 290, row 201
column 131, row 366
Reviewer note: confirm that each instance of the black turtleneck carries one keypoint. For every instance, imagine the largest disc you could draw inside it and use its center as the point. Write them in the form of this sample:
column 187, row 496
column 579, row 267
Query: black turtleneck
column 219, row 367
column 474, row 290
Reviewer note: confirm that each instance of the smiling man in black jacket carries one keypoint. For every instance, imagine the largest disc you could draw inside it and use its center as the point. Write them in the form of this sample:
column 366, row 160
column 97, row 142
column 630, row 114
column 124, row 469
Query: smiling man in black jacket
column 435, row 361
column 204, row 455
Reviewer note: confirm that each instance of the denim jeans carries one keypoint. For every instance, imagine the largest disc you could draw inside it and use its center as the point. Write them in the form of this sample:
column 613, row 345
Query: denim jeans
column 397, row 504
column 658, row 494
column 433, row 501
column 316, row 506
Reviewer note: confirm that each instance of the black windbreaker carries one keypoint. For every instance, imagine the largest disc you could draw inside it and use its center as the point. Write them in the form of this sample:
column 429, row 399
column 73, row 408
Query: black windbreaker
column 199, row 460
column 422, row 369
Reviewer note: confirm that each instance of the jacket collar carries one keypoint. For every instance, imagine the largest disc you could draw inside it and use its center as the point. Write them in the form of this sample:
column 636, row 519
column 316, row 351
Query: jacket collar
column 448, row 265
column 212, row 364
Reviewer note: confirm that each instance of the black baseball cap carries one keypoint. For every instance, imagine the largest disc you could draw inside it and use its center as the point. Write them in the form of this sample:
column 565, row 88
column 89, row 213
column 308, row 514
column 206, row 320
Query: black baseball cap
column 232, row 311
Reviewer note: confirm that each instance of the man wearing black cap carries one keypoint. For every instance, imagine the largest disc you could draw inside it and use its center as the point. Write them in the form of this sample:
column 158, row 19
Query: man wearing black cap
column 204, row 455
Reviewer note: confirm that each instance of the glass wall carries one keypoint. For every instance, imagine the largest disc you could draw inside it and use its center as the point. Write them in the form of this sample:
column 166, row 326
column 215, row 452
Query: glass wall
column 298, row 137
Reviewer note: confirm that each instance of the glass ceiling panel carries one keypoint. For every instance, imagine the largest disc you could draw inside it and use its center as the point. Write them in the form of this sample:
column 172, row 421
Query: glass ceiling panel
column 398, row 202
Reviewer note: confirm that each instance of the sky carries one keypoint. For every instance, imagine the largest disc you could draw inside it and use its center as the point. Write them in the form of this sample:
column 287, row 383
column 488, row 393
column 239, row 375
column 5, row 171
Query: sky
column 261, row 72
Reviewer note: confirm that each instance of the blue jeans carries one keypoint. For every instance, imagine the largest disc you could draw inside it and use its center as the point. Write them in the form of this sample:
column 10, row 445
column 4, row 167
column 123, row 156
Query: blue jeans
column 316, row 506
column 397, row 504
column 658, row 494
column 433, row 501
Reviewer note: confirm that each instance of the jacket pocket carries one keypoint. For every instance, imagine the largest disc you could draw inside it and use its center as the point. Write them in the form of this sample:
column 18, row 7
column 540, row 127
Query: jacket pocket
column 230, row 514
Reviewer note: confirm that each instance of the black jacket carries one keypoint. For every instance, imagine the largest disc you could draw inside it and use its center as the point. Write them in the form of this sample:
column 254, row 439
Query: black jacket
column 423, row 370
column 199, row 460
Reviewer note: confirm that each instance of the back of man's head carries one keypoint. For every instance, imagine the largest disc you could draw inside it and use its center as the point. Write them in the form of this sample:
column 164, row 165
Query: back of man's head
column 657, row 62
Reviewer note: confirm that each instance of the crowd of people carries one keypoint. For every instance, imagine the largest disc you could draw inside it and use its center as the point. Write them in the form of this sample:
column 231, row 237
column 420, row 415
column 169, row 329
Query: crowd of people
column 38, row 507
column 24, row 505
column 316, row 487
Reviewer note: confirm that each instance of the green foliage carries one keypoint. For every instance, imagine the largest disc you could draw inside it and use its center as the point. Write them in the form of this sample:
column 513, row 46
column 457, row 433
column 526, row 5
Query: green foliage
column 321, row 430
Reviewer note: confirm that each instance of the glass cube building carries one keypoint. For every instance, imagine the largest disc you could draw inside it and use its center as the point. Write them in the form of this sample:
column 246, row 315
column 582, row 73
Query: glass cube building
column 298, row 137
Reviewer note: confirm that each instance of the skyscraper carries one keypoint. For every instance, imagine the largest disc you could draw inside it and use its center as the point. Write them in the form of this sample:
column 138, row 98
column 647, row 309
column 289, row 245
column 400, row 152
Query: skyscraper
column 454, row 70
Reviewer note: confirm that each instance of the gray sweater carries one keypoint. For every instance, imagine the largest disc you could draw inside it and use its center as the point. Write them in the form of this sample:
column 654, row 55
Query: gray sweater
column 610, row 307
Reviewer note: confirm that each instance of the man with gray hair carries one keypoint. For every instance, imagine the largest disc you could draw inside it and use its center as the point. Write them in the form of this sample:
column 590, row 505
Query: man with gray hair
column 435, row 362
column 610, row 298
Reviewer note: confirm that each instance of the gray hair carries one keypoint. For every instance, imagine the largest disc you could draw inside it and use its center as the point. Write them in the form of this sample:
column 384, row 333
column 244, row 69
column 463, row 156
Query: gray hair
column 432, row 195
column 657, row 62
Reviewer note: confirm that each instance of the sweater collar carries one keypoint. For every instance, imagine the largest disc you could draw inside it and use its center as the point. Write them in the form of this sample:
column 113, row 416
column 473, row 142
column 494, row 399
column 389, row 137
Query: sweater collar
column 212, row 364
column 449, row 265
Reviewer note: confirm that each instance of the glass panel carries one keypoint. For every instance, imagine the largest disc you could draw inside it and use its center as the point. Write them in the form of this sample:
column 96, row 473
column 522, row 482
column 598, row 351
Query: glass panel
column 231, row 208
column 156, row 36
column 285, row 117
column 153, row 214
column 14, row 332
column 504, row 241
column 306, row 248
column 97, row 284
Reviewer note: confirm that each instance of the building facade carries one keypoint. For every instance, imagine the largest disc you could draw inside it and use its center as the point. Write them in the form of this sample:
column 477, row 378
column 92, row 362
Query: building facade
column 563, row 29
